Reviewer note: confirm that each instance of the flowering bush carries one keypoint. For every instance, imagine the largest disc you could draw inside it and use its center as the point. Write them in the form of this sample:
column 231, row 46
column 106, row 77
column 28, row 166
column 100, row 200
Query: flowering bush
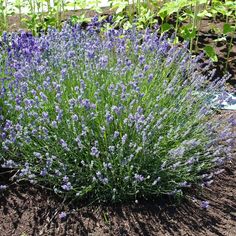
column 111, row 116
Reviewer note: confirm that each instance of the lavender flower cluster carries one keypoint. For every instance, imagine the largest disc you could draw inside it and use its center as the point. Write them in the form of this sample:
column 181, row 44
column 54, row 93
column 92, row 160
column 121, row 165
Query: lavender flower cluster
column 111, row 115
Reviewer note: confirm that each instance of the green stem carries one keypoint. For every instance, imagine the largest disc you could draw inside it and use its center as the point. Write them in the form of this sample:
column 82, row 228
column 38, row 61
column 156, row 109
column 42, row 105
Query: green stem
column 194, row 23
column 48, row 5
column 138, row 8
column 20, row 14
column 229, row 50
column 133, row 7
column 177, row 24
column 5, row 16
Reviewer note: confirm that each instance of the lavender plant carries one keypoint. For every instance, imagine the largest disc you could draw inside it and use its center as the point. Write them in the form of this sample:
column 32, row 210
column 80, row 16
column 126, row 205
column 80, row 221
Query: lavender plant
column 110, row 117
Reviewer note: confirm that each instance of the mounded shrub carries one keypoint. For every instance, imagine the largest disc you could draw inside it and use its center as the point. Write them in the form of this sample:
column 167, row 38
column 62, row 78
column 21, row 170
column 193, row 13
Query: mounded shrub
column 108, row 116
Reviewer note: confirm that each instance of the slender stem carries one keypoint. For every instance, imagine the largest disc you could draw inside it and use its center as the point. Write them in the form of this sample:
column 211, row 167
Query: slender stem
column 194, row 23
column 133, row 7
column 20, row 14
column 129, row 13
column 230, row 46
column 177, row 24
column 5, row 16
column 138, row 8
column 48, row 5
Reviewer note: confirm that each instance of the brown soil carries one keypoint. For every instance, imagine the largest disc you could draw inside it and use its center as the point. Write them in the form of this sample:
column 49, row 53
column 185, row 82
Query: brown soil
column 28, row 210
column 207, row 37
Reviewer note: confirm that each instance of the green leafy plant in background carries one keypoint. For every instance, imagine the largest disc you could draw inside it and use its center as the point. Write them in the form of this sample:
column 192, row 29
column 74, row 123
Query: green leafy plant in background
column 33, row 19
column 210, row 52
column 42, row 15
column 227, row 10
column 146, row 18
column 32, row 22
column 229, row 30
column 128, row 12
column 19, row 4
column 79, row 19
column 170, row 8
column 59, row 9
column 40, row 22
column 121, row 12
column 3, row 15
column 95, row 5
column 196, row 17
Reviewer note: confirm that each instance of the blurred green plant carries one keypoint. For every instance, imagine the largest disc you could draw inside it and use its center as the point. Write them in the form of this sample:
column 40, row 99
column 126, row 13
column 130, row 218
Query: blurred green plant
column 3, row 15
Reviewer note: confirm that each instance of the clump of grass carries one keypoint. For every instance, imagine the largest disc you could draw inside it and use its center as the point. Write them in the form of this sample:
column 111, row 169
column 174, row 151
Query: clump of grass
column 111, row 116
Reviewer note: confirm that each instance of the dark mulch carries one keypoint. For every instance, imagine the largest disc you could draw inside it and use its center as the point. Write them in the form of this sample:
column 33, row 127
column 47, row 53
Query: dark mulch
column 28, row 210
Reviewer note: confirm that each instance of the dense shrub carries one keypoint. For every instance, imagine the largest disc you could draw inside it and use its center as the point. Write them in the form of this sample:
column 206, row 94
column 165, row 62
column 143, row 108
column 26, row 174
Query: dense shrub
column 111, row 116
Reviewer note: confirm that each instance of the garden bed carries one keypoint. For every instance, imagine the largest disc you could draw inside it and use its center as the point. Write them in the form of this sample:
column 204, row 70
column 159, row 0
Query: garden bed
column 28, row 209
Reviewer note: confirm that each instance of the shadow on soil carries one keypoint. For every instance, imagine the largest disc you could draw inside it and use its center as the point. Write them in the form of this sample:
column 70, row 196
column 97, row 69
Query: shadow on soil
column 27, row 210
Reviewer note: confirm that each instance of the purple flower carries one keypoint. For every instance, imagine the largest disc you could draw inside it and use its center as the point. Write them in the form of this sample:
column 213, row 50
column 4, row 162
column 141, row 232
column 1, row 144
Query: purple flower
column 90, row 54
column 9, row 164
column 43, row 96
column 54, row 124
column 64, row 145
column 107, row 165
column 3, row 187
column 86, row 103
column 141, row 59
column 109, row 117
column 116, row 134
column 75, row 117
column 62, row 215
column 103, row 61
column 67, row 186
column 101, row 178
column 138, row 178
column 184, row 184
column 116, row 110
column 111, row 149
column 43, row 172
column 65, row 179
column 204, row 204
column 146, row 67
column 124, row 138
column 37, row 155
column 94, row 152
column 156, row 181
column 128, row 62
